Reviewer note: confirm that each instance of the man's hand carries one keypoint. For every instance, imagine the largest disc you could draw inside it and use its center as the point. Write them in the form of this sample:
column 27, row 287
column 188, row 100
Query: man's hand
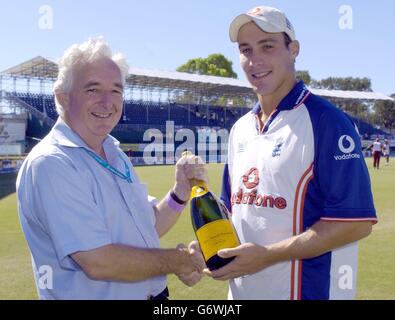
column 188, row 168
column 190, row 279
column 320, row 238
column 249, row 258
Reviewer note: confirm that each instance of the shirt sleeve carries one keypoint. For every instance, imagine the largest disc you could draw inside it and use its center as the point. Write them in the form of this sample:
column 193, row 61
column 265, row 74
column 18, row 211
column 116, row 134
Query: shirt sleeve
column 68, row 209
column 152, row 200
column 341, row 171
column 226, row 189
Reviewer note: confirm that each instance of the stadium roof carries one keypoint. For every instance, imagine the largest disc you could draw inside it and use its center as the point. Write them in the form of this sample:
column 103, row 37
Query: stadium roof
column 37, row 67
column 44, row 68
column 344, row 94
column 187, row 81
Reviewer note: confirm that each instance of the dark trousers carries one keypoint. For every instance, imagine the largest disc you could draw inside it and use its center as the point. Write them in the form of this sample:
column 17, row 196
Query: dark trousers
column 164, row 295
column 376, row 159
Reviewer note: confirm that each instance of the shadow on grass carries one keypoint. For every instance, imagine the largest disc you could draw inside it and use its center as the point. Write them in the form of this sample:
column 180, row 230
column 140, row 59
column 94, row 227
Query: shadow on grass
column 7, row 184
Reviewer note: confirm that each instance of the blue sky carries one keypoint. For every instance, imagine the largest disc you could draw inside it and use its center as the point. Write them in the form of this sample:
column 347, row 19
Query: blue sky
column 158, row 34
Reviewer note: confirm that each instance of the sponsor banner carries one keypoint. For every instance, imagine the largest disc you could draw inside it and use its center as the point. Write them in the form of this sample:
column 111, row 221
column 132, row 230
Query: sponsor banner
column 10, row 165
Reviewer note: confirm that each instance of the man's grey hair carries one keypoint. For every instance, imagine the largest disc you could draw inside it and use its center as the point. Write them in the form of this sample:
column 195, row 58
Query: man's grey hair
column 84, row 53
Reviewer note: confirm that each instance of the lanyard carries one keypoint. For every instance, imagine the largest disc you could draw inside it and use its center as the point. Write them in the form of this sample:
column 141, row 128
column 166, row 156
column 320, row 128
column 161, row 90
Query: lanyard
column 109, row 167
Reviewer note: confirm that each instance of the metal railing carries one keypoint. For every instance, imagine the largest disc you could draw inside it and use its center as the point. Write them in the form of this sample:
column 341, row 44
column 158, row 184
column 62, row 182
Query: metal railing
column 19, row 102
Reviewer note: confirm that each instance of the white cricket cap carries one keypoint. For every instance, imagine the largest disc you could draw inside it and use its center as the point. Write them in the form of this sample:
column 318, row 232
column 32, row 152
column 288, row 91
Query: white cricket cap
column 269, row 19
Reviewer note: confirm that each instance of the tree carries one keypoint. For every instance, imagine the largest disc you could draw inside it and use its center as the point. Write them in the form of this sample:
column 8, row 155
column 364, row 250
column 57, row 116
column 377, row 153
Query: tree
column 304, row 75
column 214, row 65
column 384, row 113
column 348, row 83
column 355, row 108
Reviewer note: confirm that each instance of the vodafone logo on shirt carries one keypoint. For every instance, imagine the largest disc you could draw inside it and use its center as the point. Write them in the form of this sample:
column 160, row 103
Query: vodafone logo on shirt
column 346, row 145
column 351, row 144
column 251, row 178
column 248, row 193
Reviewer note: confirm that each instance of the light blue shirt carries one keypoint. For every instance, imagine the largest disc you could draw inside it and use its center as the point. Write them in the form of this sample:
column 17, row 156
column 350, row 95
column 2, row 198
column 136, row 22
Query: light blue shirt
column 68, row 202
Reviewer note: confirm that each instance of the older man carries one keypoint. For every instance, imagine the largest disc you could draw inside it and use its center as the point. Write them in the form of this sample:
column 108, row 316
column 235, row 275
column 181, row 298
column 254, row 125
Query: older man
column 87, row 218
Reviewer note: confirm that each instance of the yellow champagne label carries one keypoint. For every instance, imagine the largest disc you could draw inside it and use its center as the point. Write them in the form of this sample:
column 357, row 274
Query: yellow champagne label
column 216, row 235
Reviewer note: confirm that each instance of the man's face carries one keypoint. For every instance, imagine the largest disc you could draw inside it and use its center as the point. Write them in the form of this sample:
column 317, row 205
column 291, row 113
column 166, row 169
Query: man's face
column 266, row 61
column 94, row 104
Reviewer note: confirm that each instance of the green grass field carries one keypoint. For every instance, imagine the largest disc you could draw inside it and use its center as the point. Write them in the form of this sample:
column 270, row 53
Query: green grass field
column 376, row 275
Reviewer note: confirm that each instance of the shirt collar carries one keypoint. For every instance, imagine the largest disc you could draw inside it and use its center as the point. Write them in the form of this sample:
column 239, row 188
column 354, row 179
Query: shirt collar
column 298, row 93
column 65, row 136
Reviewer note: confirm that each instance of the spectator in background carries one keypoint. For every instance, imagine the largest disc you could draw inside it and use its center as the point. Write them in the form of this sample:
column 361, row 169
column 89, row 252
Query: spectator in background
column 386, row 151
column 377, row 148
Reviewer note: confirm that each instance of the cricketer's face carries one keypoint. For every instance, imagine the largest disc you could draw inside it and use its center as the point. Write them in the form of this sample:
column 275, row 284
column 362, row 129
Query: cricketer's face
column 94, row 104
column 268, row 64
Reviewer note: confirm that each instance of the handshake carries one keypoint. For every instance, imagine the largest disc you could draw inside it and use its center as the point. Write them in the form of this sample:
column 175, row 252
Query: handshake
column 249, row 258
column 191, row 270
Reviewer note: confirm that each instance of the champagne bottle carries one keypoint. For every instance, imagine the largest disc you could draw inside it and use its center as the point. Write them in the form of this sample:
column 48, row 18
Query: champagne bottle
column 213, row 228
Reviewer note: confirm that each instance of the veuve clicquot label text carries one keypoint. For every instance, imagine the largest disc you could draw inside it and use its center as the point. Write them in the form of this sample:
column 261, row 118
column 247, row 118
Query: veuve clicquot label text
column 216, row 235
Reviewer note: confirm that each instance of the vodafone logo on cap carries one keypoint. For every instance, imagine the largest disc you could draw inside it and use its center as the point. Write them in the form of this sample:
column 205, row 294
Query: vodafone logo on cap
column 256, row 11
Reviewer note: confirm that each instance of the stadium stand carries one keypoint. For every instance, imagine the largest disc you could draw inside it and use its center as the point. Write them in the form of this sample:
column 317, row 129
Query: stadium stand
column 192, row 101
column 182, row 114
